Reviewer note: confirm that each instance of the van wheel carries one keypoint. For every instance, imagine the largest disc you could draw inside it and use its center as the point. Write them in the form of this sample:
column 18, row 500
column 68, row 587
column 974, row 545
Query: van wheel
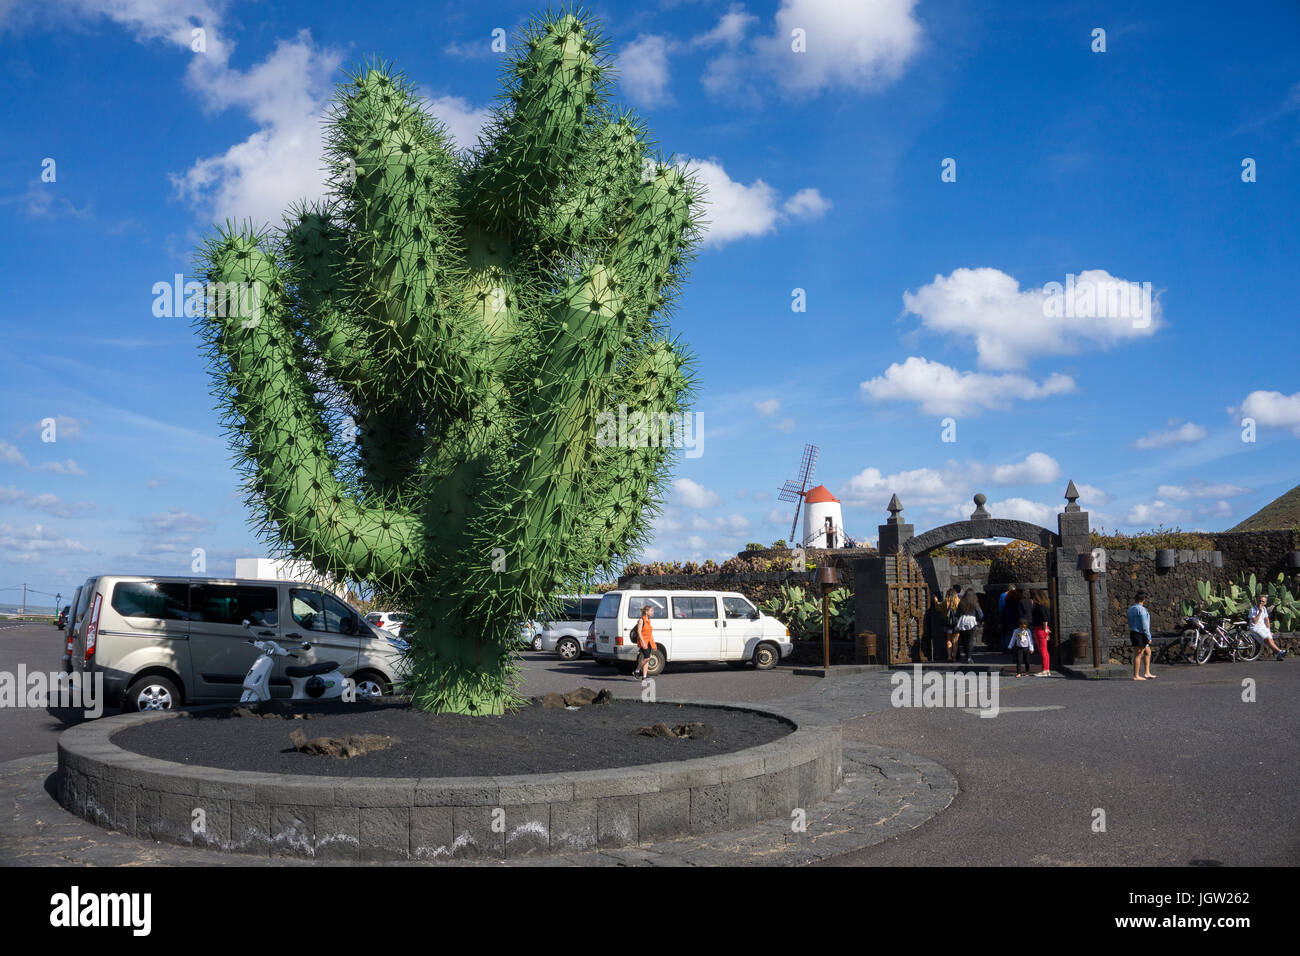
column 765, row 657
column 371, row 685
column 151, row 693
column 568, row 649
column 655, row 662
column 537, row 642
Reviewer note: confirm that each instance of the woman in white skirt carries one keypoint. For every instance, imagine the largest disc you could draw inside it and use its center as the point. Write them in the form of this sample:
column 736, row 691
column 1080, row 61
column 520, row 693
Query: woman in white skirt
column 1259, row 626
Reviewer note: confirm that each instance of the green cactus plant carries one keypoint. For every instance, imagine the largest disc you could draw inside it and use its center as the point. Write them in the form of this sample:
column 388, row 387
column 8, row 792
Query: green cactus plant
column 469, row 320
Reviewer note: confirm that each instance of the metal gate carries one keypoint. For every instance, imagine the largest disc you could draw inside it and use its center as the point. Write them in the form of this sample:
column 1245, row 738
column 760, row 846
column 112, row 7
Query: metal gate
column 909, row 600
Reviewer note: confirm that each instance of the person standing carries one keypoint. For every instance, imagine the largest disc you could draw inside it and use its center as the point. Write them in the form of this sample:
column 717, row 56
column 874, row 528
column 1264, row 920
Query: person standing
column 1261, row 627
column 969, row 617
column 1139, row 633
column 950, row 622
column 1040, row 621
column 1010, row 614
column 1022, row 645
column 645, row 642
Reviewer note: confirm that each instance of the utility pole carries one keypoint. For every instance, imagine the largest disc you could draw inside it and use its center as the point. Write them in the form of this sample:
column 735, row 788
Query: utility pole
column 22, row 608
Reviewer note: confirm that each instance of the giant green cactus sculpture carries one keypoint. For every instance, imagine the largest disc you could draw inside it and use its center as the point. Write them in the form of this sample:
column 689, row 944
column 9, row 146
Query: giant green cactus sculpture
column 473, row 316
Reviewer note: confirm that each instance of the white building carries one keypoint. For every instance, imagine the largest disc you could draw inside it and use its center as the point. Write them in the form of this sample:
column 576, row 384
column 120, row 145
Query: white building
column 823, row 520
column 276, row 569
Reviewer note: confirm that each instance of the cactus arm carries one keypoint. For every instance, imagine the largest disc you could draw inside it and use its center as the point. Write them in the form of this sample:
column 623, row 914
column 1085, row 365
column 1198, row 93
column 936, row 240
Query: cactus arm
column 284, row 438
column 554, row 85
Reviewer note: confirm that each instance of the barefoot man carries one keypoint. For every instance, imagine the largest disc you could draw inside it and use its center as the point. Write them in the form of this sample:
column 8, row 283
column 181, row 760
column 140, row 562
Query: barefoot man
column 1139, row 633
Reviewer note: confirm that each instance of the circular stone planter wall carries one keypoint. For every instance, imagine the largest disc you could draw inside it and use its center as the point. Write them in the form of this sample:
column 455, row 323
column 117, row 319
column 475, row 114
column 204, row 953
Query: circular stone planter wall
column 432, row 818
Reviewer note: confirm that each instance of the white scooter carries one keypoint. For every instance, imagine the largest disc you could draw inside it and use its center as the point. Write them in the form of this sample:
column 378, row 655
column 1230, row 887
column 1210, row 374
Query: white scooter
column 323, row 681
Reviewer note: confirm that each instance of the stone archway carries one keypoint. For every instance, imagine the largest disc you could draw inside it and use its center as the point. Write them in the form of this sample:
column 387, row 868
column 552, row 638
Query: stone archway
column 877, row 577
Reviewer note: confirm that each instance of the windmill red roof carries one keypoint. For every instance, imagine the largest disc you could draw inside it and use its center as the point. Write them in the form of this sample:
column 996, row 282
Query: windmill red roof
column 819, row 494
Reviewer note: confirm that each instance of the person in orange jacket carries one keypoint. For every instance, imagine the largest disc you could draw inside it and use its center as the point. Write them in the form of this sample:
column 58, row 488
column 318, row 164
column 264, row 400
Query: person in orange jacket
column 645, row 641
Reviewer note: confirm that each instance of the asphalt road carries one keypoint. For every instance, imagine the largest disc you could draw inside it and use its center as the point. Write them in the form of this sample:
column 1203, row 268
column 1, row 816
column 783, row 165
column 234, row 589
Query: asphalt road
column 1186, row 772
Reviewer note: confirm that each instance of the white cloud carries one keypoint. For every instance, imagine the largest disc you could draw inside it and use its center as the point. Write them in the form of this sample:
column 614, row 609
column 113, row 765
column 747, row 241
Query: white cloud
column 694, row 495
column 1271, row 409
column 1186, row 432
column 11, row 455
column 1010, row 327
column 1199, row 490
column 31, row 544
column 66, row 428
column 174, row 521
column 1038, row 468
column 1021, row 509
column 1091, row 495
column 806, row 204
column 737, row 211
column 1156, row 513
column 643, row 70
column 858, row 46
column 920, row 486
column 731, row 29
column 768, row 406
column 49, row 503
column 942, row 390
column 733, row 523
column 280, row 163
column 68, row 467
column 784, row 425
column 462, row 119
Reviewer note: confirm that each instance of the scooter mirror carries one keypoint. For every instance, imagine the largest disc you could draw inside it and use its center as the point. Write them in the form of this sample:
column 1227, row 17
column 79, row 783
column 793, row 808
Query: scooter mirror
column 306, row 645
column 248, row 625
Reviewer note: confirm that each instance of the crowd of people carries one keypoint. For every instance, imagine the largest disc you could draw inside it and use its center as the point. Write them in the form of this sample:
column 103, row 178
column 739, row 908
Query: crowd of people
column 1023, row 625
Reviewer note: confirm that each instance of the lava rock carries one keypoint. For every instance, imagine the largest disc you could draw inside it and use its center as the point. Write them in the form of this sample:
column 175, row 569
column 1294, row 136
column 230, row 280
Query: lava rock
column 697, row 730
column 353, row 745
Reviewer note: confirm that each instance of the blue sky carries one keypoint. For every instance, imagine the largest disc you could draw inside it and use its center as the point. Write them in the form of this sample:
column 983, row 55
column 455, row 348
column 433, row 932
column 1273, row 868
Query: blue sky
column 924, row 297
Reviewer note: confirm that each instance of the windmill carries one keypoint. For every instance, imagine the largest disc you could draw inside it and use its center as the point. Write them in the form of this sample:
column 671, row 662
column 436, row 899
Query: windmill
column 795, row 489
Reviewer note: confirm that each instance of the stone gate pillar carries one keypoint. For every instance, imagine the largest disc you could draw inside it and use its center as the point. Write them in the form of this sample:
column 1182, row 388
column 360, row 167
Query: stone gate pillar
column 1072, row 609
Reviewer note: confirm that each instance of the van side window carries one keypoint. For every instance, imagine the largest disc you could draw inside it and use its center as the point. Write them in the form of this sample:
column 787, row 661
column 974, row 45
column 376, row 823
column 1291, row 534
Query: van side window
column 570, row 611
column 658, row 607
column 234, row 604
column 87, row 590
column 695, row 608
column 589, row 606
column 737, row 608
column 321, row 612
column 151, row 599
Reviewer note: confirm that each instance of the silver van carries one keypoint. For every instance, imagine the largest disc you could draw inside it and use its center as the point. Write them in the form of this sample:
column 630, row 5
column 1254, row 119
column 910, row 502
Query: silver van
column 566, row 635
column 161, row 642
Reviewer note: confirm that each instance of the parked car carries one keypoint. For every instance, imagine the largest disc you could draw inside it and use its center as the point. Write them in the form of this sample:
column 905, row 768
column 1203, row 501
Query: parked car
column 390, row 621
column 589, row 645
column 160, row 642
column 565, row 635
column 694, row 626
column 62, row 620
column 68, row 626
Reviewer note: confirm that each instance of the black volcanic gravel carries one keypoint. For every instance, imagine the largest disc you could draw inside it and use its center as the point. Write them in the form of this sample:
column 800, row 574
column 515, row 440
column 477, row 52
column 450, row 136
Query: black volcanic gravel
column 534, row 740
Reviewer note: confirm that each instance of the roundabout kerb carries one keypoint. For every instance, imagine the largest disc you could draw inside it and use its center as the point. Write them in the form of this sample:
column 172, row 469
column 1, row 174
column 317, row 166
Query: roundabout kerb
column 434, row 818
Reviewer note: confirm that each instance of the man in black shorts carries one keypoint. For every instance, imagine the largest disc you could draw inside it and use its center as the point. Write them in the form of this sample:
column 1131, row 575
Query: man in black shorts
column 1139, row 633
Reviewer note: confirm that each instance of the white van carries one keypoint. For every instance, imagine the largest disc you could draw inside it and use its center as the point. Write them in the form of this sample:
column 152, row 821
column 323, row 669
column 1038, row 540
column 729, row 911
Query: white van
column 161, row 642
column 702, row 626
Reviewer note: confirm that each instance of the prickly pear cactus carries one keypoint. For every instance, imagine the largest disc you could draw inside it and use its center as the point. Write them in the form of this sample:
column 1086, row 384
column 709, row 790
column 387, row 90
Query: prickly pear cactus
column 417, row 394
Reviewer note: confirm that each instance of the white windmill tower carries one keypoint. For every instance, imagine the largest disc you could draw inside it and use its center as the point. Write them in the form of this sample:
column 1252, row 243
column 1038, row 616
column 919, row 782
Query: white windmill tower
column 823, row 520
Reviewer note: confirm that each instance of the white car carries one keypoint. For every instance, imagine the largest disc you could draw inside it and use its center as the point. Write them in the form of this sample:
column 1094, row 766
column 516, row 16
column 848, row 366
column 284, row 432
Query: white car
column 390, row 621
column 697, row 626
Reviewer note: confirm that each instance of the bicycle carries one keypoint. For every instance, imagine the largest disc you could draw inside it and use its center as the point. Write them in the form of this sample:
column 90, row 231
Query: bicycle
column 1235, row 639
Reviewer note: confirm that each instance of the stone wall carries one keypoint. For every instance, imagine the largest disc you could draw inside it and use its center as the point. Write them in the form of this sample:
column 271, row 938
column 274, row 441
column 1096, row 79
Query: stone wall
column 1263, row 553
column 759, row 587
column 1128, row 572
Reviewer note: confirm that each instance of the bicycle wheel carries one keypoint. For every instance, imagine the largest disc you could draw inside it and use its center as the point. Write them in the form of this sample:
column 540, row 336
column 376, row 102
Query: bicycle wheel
column 1204, row 649
column 1248, row 646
